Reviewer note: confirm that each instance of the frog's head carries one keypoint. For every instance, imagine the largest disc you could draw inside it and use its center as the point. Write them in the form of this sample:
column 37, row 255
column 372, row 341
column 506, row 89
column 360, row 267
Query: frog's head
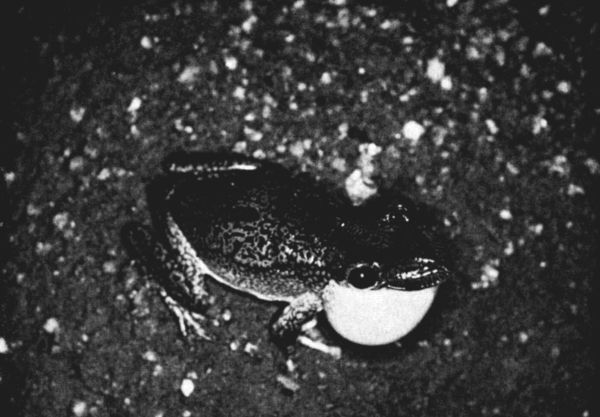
column 390, row 284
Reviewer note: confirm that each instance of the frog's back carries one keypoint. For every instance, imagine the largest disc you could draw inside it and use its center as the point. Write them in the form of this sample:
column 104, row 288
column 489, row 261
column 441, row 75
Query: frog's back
column 263, row 234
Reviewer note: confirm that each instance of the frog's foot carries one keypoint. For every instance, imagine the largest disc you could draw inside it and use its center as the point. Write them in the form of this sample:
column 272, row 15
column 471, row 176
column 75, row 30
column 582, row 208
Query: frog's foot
column 189, row 321
column 312, row 339
column 294, row 324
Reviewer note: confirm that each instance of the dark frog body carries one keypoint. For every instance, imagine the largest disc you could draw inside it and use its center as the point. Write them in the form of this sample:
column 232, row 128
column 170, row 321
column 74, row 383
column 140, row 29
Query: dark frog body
column 255, row 227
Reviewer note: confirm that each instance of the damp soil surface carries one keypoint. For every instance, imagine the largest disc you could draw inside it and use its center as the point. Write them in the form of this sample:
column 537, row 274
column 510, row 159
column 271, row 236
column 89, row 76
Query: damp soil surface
column 482, row 110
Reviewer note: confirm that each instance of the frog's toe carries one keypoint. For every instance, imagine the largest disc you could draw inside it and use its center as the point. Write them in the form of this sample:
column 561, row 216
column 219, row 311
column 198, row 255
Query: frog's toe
column 188, row 321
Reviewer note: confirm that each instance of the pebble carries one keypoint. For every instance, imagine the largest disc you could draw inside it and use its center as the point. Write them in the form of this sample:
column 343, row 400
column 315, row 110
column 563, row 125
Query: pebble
column 435, row 70
column 231, row 62
column 505, row 214
column 288, row 383
column 3, row 346
column 189, row 74
column 77, row 114
column 134, row 105
column 358, row 188
column 79, row 408
column 146, row 42
column 326, row 78
column 413, row 131
column 51, row 325
column 187, row 387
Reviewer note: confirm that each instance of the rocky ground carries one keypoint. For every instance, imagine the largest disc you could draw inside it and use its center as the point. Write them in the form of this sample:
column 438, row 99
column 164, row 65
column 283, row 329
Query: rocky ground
column 479, row 109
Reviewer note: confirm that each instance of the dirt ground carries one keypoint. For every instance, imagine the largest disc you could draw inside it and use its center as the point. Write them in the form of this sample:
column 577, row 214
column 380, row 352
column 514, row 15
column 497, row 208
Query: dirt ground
column 480, row 109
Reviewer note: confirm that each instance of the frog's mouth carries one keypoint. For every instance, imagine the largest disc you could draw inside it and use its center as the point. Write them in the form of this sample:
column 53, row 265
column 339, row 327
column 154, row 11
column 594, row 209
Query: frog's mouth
column 375, row 316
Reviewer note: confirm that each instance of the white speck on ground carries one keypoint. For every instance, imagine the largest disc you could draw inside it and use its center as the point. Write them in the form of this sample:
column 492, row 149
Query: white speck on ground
column 189, row 74
column 150, row 356
column 239, row 92
column 3, row 346
column 537, row 228
column 77, row 113
column 51, row 325
column 446, row 83
column 61, row 220
column 559, row 165
column 523, row 337
column 231, row 62
column 491, row 126
column 593, row 166
column 187, row 387
column 134, row 105
column 250, row 348
column 564, row 87
column 288, row 383
column 412, row 131
column 253, row 135
column 451, row 3
column 509, row 249
column 575, row 190
column 489, row 275
column 325, row 78
column 435, row 70
column 79, row 408
column 146, row 42
column 358, row 187
column 505, row 214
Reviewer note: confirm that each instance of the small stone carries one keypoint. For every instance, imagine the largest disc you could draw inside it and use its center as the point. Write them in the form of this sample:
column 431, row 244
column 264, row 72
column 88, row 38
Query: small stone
column 187, row 387
column 150, row 356
column 109, row 267
column 491, row 126
column 575, row 190
column 231, row 62
column 250, row 348
column 135, row 105
column 226, row 315
column 288, row 383
column 239, row 92
column 104, row 174
column 79, row 408
column 564, row 87
column 413, row 131
column 505, row 214
column 358, row 188
column 146, row 42
column 189, row 74
column 446, row 83
column 77, row 114
column 3, row 346
column 253, row 135
column 435, row 70
column 61, row 220
column 51, row 325
column 325, row 78
column 523, row 337
column 451, row 3
column 76, row 163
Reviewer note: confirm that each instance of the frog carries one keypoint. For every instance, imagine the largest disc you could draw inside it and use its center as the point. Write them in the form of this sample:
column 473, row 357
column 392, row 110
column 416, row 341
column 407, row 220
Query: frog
column 283, row 237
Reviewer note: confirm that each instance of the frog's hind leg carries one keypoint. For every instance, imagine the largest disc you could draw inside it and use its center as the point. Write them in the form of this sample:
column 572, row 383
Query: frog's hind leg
column 181, row 283
column 290, row 325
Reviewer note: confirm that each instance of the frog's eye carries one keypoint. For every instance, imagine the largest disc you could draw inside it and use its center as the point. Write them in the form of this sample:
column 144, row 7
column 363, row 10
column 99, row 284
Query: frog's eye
column 363, row 276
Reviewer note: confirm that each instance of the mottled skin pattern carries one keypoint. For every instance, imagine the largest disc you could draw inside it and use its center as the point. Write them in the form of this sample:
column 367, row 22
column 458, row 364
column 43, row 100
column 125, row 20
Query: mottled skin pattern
column 255, row 227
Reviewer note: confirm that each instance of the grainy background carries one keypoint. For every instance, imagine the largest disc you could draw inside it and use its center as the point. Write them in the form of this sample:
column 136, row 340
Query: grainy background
column 99, row 92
